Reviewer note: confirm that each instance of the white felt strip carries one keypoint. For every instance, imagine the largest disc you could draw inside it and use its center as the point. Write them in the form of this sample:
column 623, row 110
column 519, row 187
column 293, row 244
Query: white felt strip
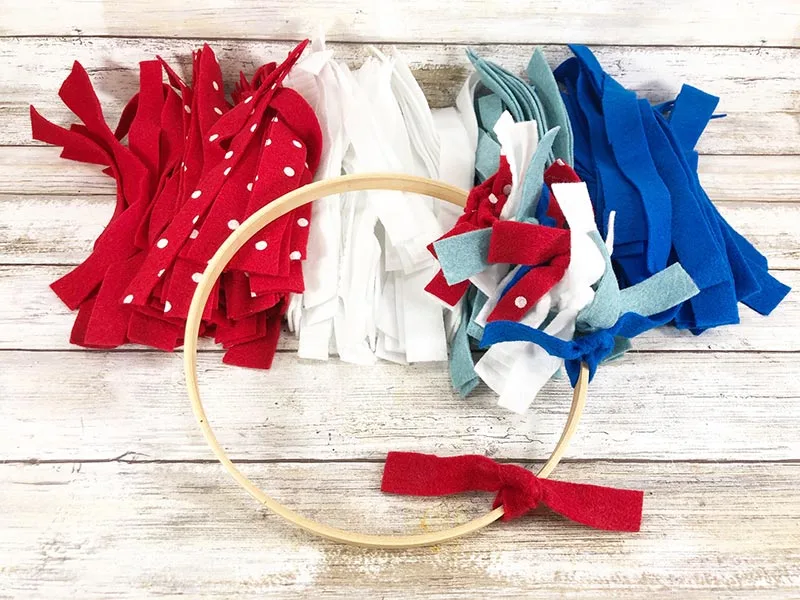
column 367, row 259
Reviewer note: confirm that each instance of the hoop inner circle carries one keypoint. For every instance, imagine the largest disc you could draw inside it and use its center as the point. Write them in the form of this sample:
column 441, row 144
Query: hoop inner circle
column 261, row 218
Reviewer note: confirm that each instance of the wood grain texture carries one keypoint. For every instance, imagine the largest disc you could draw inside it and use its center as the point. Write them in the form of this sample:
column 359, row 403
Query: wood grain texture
column 38, row 171
column 34, row 318
column 183, row 530
column 85, row 405
column 61, row 230
column 156, row 517
column 758, row 86
column 642, row 22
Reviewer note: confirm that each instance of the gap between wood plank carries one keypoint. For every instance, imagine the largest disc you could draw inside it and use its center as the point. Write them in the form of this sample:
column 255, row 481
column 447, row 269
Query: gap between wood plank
column 220, row 350
column 382, row 42
column 292, row 351
column 311, row 461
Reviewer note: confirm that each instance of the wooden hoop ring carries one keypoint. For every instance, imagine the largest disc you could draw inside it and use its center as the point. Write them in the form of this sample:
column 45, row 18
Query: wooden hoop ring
column 264, row 216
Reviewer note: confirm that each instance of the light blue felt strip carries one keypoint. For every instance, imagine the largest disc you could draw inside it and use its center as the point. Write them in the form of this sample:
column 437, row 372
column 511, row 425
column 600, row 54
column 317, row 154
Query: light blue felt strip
column 518, row 89
column 462, row 368
column 621, row 346
column 464, row 255
column 555, row 113
column 474, row 330
column 539, row 114
column 487, row 156
column 489, row 109
column 659, row 292
column 603, row 311
column 499, row 87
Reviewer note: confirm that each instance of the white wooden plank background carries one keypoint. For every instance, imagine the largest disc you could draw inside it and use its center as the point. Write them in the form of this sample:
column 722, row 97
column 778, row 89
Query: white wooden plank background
column 107, row 488
column 643, row 22
column 758, row 86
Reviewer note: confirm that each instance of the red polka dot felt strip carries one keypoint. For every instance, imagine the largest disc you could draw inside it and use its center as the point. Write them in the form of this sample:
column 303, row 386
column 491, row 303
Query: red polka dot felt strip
column 194, row 167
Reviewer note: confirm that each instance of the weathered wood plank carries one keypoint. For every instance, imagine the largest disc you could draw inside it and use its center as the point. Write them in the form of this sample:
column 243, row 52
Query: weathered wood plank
column 136, row 531
column 638, row 22
column 82, row 405
column 758, row 87
column 751, row 178
column 62, row 229
column 38, row 170
column 34, row 319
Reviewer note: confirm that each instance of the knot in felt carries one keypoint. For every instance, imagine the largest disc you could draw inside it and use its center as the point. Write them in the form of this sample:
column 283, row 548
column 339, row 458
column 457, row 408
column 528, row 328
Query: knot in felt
column 518, row 490
column 482, row 210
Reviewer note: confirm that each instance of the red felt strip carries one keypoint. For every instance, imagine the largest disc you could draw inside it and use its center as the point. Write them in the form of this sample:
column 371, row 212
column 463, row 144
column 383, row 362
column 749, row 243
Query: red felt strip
column 482, row 209
column 518, row 490
column 195, row 166
column 547, row 249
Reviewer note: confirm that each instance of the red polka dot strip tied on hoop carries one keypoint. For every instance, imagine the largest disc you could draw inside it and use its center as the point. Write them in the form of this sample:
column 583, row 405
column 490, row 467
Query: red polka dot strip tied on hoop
column 193, row 169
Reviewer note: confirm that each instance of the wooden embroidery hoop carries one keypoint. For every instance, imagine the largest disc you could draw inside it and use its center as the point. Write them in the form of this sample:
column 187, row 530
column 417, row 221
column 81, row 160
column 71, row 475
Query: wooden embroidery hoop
column 264, row 216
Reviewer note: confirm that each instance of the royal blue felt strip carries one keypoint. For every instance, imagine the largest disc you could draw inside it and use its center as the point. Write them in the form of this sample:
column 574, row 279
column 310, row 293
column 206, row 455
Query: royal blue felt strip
column 643, row 164
column 625, row 132
column 592, row 348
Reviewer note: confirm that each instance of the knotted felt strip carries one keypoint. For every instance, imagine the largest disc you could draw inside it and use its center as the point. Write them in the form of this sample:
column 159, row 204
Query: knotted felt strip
column 518, row 489
column 482, row 209
column 546, row 253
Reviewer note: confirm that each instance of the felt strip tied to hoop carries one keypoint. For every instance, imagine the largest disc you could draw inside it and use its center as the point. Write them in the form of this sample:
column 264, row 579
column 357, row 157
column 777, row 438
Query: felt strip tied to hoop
column 518, row 490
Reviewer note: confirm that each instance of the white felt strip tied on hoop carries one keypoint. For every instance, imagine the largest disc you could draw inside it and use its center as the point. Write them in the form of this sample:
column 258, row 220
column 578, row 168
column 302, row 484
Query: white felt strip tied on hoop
column 281, row 206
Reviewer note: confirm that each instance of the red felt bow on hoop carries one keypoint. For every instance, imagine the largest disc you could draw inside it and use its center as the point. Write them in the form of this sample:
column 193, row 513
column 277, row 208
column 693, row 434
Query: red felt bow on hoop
column 518, row 490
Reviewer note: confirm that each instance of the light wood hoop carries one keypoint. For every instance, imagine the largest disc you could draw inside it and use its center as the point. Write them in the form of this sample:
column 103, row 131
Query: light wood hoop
column 267, row 214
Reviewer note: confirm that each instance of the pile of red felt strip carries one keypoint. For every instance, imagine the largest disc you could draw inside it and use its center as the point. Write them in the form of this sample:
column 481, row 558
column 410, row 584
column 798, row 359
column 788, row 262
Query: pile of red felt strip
column 194, row 167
